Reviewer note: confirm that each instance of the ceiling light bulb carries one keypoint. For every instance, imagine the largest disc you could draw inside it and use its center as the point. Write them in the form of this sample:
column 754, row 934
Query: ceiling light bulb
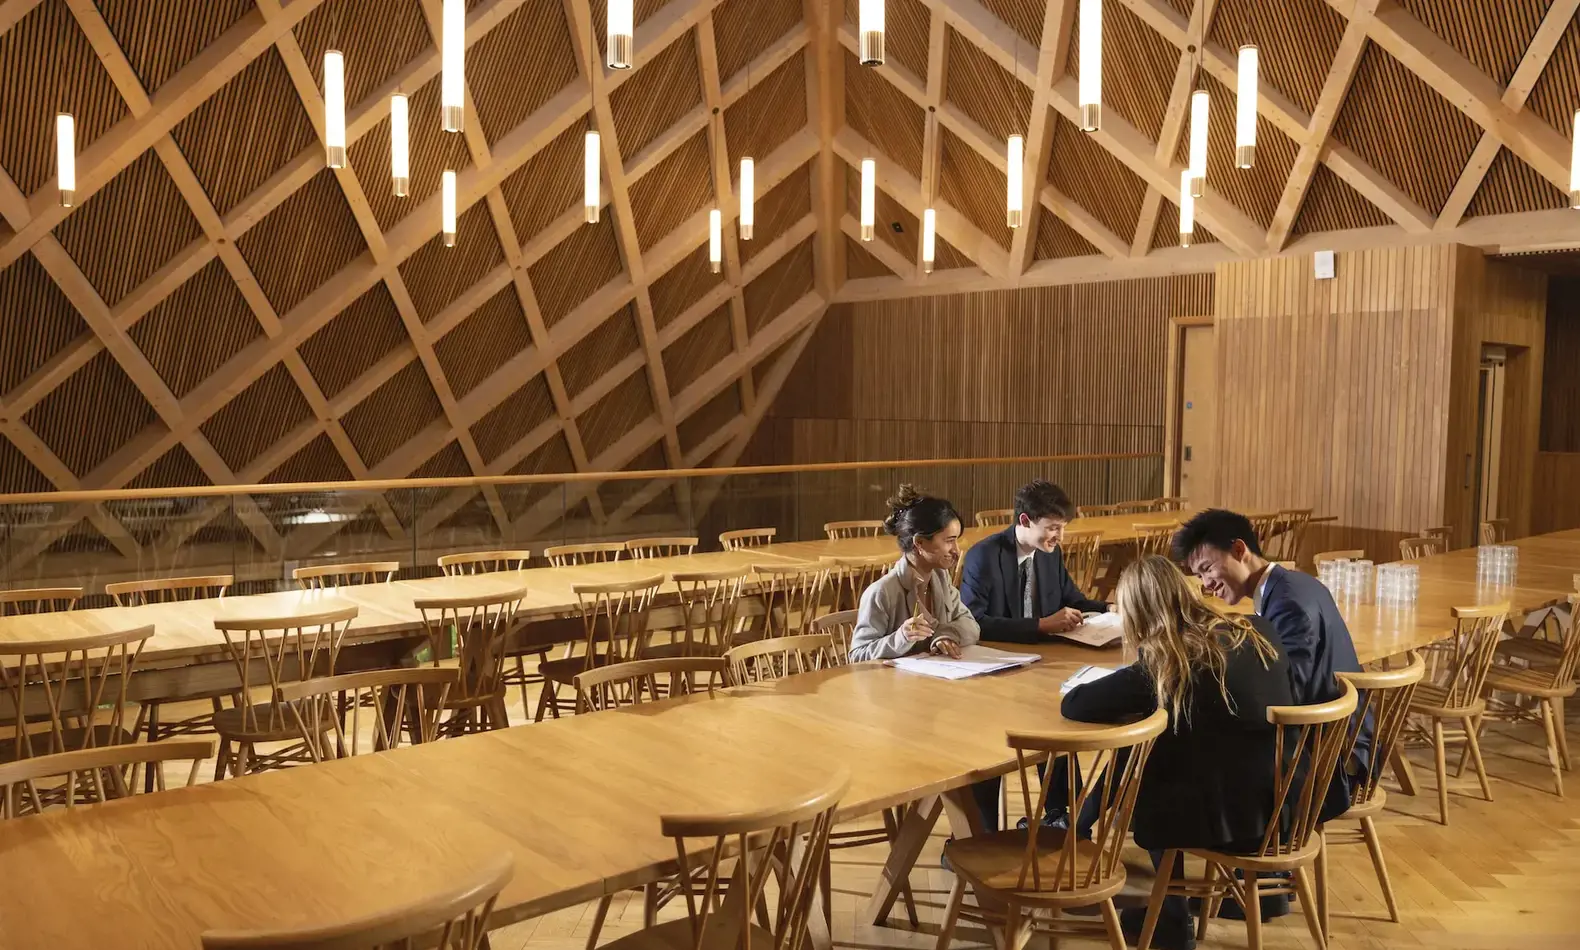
column 591, row 197
column 66, row 157
column 715, row 239
column 448, row 209
column 869, row 198
column 335, row 108
column 621, row 39
column 400, row 144
column 1199, row 104
column 1090, row 86
column 452, row 85
column 870, row 28
column 1017, row 170
column 1187, row 209
column 929, row 239
column 748, row 209
column 1245, row 108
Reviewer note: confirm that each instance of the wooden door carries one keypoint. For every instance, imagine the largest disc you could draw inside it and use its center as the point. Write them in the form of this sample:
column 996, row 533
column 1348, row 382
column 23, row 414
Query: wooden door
column 1197, row 413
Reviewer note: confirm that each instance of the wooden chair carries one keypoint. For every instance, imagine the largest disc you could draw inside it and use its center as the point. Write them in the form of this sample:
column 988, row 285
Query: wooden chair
column 1096, row 511
column 1083, row 552
column 455, row 916
column 642, row 548
column 1549, row 686
column 1412, row 549
column 1455, row 694
column 1310, row 741
column 325, row 576
column 614, row 617
column 1385, row 700
column 845, row 578
column 404, row 701
column 490, row 562
column 840, row 626
column 572, row 555
column 1168, row 504
column 625, row 684
column 165, row 590
column 38, row 600
column 765, row 660
column 482, row 626
column 1154, row 538
column 1444, row 535
column 747, row 538
column 1289, row 534
column 1494, row 531
column 282, row 650
column 741, row 851
column 995, row 518
column 790, row 592
column 88, row 776
column 1047, row 869
column 1133, row 507
column 1265, row 525
column 710, row 612
column 836, row 530
column 1325, row 556
column 62, row 695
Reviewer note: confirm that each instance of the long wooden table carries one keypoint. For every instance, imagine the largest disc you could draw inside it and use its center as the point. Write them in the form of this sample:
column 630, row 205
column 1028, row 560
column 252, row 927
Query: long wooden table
column 576, row 801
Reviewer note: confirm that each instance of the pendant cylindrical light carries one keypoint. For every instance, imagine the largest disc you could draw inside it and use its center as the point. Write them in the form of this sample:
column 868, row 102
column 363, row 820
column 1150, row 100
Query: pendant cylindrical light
column 452, row 86
column 1198, row 142
column 400, row 144
column 335, row 108
column 871, row 31
column 1245, row 108
column 715, row 239
column 1187, row 210
column 1090, row 86
column 66, row 157
column 1016, row 160
column 1574, row 167
column 591, row 197
column 449, row 208
column 929, row 239
column 748, row 186
column 621, row 39
column 869, row 198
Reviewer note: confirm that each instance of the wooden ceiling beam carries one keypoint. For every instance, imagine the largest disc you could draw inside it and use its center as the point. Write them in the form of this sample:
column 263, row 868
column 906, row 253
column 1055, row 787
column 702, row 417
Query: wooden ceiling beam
column 772, row 384
column 886, row 255
column 825, row 94
column 1058, row 22
column 12, row 12
column 1175, row 115
column 933, row 95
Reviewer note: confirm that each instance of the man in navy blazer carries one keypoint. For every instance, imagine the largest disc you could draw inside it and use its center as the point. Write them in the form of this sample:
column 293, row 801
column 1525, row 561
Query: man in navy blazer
column 1016, row 586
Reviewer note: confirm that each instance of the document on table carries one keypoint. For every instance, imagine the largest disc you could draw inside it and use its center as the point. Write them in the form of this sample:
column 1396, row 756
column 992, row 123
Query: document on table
column 1086, row 674
column 1099, row 630
column 973, row 661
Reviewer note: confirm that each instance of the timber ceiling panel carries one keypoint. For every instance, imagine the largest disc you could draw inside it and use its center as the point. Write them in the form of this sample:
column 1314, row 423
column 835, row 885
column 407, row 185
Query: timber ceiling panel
column 1056, row 239
column 91, row 415
column 431, row 152
column 354, row 340
column 487, row 339
column 1256, row 190
column 18, row 473
column 686, row 283
column 905, row 26
column 946, row 257
column 553, row 457
column 399, row 409
column 1492, row 34
column 1093, row 178
column 436, row 275
column 575, row 268
column 1023, row 16
column 1138, row 69
column 1167, row 232
column 309, row 238
column 1556, row 95
column 175, row 469
column 884, row 116
column 210, row 299
column 317, row 461
column 973, row 186
column 745, row 28
column 677, row 188
column 36, row 321
column 772, row 111
column 448, row 462
column 886, row 212
column 983, row 90
column 860, row 263
column 1297, row 40
column 779, row 286
column 1512, row 186
column 1332, row 205
column 711, row 416
column 257, row 418
column 698, row 350
column 613, row 340
column 160, row 38
column 777, row 211
column 615, row 414
column 520, row 413
column 1372, row 122
column 376, row 36
column 671, row 87
column 520, row 65
column 548, row 184
column 614, row 495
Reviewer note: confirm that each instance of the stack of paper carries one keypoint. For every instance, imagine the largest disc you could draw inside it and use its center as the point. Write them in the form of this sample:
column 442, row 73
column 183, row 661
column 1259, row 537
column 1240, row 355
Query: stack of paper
column 973, row 661
column 1099, row 630
column 1086, row 674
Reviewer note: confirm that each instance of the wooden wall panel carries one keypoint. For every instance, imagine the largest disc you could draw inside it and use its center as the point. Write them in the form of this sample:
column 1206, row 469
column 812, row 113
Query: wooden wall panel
column 1561, row 368
column 1555, row 503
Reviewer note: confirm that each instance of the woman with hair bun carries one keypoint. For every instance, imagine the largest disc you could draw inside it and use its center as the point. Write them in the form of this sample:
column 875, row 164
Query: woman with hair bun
column 915, row 608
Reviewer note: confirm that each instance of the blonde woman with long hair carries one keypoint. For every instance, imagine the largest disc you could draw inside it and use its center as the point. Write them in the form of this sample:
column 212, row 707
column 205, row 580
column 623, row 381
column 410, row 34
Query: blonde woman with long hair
column 1209, row 780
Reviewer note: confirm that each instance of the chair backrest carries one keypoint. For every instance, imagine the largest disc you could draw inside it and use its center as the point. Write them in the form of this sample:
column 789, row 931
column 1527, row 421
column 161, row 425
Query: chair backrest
column 765, row 660
column 1168, row 504
column 75, row 688
column 1463, row 661
column 1266, row 526
column 404, row 701
column 994, row 517
column 1412, row 548
column 1132, row 507
column 1095, row 511
column 1154, row 538
column 747, row 538
column 484, row 562
column 1119, row 756
column 640, row 548
column 267, row 647
column 38, row 600
column 846, row 577
column 164, row 590
column 852, row 529
column 93, row 775
column 1444, row 534
column 840, row 626
column 1494, row 531
column 1082, row 552
column 1289, row 534
column 790, row 592
column 457, row 915
column 482, row 625
column 1569, row 656
column 710, row 602
column 1384, row 701
column 1310, row 741
column 628, row 684
column 787, row 842
column 615, row 614
column 1351, row 555
column 571, row 555
column 322, row 576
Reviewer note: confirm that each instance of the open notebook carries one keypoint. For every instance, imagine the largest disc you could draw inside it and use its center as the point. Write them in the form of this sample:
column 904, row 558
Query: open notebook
column 1099, row 630
column 974, row 661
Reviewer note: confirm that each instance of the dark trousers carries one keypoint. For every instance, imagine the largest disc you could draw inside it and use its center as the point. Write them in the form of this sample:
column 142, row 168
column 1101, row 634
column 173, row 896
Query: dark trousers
column 986, row 793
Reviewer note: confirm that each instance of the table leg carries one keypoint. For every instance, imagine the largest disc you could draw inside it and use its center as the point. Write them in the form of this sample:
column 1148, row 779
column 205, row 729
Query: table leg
column 1402, row 769
column 915, row 827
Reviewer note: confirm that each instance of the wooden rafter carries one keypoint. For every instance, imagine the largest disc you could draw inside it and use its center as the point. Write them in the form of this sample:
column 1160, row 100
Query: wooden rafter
column 1174, row 117
column 1058, row 20
column 825, row 85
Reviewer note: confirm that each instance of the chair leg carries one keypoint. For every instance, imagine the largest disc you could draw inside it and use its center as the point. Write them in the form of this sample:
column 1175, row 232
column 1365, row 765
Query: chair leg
column 1011, row 926
column 1442, row 770
column 545, row 700
column 1160, row 890
column 598, row 919
column 1563, row 737
column 152, row 710
column 221, row 759
column 1554, row 757
column 243, row 753
column 1116, row 933
column 650, row 905
column 1208, row 905
column 1471, row 729
column 1252, row 905
column 1321, row 875
column 1310, row 903
column 1374, row 845
column 946, row 931
column 521, row 677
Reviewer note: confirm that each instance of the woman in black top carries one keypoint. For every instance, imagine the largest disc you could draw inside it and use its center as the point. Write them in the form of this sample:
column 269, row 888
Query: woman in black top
column 1209, row 780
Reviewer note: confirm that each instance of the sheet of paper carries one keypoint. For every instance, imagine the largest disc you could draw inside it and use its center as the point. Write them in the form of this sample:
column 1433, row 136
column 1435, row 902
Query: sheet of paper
column 1099, row 630
column 1086, row 674
column 973, row 661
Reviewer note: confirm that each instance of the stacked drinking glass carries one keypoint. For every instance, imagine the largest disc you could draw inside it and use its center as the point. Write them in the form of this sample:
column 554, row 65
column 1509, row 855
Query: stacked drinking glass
column 1497, row 564
column 1398, row 584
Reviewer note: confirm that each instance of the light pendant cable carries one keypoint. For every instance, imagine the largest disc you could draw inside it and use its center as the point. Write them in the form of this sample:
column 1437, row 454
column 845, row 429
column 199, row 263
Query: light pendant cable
column 1199, row 111
column 869, row 198
column 452, row 84
column 1245, row 107
column 1090, row 81
column 622, row 29
column 871, row 31
column 335, row 108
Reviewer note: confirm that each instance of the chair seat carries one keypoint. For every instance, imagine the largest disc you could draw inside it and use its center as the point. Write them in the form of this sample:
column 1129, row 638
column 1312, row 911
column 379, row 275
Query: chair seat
column 472, row 702
column 993, row 862
column 1531, row 650
column 1368, row 808
column 566, row 669
column 1513, row 679
column 271, row 722
column 676, row 935
column 70, row 741
column 669, row 651
column 1432, row 700
column 1257, row 862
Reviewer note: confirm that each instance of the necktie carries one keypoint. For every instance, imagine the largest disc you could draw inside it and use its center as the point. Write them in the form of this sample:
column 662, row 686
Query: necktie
column 1026, row 608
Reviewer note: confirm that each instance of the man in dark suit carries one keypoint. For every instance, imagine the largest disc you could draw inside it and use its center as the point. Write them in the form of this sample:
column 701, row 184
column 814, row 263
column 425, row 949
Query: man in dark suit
column 1016, row 586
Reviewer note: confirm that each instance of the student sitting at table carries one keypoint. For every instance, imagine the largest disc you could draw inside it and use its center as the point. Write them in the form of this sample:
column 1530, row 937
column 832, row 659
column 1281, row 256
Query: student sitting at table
column 1208, row 782
column 915, row 607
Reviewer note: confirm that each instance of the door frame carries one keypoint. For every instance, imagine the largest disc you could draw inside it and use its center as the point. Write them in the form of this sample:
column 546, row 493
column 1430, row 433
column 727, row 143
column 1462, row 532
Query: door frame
column 1174, row 370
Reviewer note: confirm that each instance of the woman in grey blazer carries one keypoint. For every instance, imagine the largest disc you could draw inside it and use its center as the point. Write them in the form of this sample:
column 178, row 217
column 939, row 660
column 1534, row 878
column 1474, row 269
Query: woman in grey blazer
column 915, row 607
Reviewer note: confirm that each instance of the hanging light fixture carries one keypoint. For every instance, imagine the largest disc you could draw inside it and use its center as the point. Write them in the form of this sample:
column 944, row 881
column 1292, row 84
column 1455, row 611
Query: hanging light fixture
column 452, row 86
column 1016, row 158
column 591, row 199
column 1245, row 108
column 335, row 108
column 715, row 239
column 66, row 157
column 448, row 210
column 1187, row 209
column 400, row 144
column 871, row 30
column 1199, row 103
column 1090, row 87
column 622, row 26
column 929, row 239
column 748, row 184
column 1574, row 167
column 869, row 198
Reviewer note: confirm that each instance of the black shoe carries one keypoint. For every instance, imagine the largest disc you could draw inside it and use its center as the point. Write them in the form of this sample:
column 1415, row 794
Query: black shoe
column 1171, row 934
column 943, row 858
column 1060, row 820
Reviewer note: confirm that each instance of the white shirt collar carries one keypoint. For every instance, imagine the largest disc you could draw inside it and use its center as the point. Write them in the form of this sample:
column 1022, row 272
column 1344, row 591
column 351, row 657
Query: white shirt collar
column 1261, row 589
